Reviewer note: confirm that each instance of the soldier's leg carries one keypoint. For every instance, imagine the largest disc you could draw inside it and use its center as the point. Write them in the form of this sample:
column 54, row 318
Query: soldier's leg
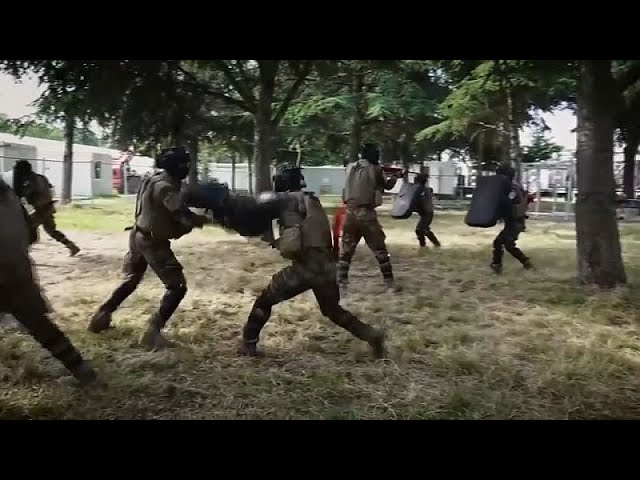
column 29, row 307
column 375, row 238
column 133, row 268
column 420, row 232
column 511, row 233
column 49, row 225
column 428, row 219
column 287, row 283
column 328, row 297
column 166, row 266
column 498, row 251
column 351, row 235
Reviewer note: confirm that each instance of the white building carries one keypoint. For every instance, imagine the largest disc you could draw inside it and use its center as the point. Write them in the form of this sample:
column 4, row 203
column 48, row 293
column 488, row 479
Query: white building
column 92, row 166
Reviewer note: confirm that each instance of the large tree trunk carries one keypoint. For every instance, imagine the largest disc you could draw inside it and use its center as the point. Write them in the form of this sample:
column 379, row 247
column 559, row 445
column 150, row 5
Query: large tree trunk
column 67, row 162
column 193, row 168
column 630, row 152
column 357, row 90
column 597, row 236
column 265, row 126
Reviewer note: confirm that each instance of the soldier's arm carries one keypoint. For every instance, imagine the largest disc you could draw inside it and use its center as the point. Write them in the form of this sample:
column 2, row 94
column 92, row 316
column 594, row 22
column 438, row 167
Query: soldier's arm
column 382, row 182
column 172, row 201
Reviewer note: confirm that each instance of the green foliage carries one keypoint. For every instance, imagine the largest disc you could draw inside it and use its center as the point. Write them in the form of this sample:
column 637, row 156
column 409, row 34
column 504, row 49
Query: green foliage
column 84, row 135
column 496, row 98
column 541, row 148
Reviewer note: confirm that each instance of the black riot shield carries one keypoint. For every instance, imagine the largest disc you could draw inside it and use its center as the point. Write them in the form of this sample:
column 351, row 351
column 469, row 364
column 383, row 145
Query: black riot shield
column 405, row 201
column 489, row 201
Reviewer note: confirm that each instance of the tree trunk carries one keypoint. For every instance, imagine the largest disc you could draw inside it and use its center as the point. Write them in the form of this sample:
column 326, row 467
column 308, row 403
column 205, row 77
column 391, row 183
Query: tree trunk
column 630, row 152
column 386, row 152
column 357, row 90
column 405, row 154
column 233, row 172
column 597, row 236
column 265, row 126
column 67, row 162
column 515, row 151
column 193, row 168
column 250, row 172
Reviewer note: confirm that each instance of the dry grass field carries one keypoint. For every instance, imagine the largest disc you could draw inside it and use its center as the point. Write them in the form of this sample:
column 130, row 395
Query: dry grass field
column 463, row 343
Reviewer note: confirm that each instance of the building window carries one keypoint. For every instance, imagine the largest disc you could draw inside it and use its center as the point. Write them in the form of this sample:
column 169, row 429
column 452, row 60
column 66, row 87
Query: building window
column 97, row 170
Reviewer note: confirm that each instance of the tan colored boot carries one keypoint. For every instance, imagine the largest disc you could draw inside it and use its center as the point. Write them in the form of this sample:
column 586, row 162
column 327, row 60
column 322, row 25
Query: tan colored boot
column 152, row 338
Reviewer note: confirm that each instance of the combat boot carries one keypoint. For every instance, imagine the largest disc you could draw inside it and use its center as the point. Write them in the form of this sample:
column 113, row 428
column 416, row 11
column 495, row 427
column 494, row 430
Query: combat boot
column 152, row 338
column 422, row 241
column 100, row 321
column 527, row 264
column 73, row 249
column 84, row 373
column 391, row 285
column 496, row 267
column 249, row 348
column 376, row 342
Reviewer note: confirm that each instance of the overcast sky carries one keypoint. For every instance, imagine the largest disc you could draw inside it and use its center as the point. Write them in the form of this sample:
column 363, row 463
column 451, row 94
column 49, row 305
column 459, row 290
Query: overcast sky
column 15, row 100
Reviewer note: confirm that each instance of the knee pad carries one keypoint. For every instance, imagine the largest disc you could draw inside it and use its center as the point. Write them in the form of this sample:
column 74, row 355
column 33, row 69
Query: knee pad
column 178, row 290
column 383, row 258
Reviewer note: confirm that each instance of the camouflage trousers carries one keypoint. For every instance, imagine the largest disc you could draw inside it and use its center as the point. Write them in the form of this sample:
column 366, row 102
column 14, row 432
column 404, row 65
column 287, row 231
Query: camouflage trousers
column 363, row 223
column 145, row 251
column 506, row 240
column 45, row 217
column 20, row 295
column 316, row 271
column 423, row 229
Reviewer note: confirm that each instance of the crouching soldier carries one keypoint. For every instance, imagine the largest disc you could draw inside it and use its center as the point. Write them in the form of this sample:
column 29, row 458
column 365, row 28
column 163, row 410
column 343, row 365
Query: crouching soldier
column 20, row 294
column 424, row 208
column 160, row 216
column 36, row 189
column 305, row 238
column 515, row 215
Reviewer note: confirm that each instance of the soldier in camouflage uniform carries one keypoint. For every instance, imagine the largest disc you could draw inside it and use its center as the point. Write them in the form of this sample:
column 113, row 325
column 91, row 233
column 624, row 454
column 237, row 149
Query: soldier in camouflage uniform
column 365, row 183
column 36, row 189
column 424, row 208
column 20, row 294
column 160, row 216
column 305, row 238
column 514, row 223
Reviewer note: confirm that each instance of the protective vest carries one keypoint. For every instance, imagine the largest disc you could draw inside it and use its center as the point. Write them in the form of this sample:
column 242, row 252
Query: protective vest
column 424, row 201
column 361, row 188
column 15, row 230
column 151, row 216
column 519, row 200
column 303, row 224
column 38, row 191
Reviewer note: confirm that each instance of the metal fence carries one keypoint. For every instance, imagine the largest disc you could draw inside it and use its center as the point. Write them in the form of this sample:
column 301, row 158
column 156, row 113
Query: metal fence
column 553, row 186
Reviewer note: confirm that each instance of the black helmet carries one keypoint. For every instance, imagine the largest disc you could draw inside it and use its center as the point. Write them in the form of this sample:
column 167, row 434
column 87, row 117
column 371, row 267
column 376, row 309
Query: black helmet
column 175, row 161
column 23, row 167
column 370, row 152
column 422, row 178
column 288, row 179
column 507, row 171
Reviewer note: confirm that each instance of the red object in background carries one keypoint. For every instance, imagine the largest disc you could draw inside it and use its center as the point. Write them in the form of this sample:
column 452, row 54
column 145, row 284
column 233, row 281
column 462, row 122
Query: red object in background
column 531, row 197
column 338, row 223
